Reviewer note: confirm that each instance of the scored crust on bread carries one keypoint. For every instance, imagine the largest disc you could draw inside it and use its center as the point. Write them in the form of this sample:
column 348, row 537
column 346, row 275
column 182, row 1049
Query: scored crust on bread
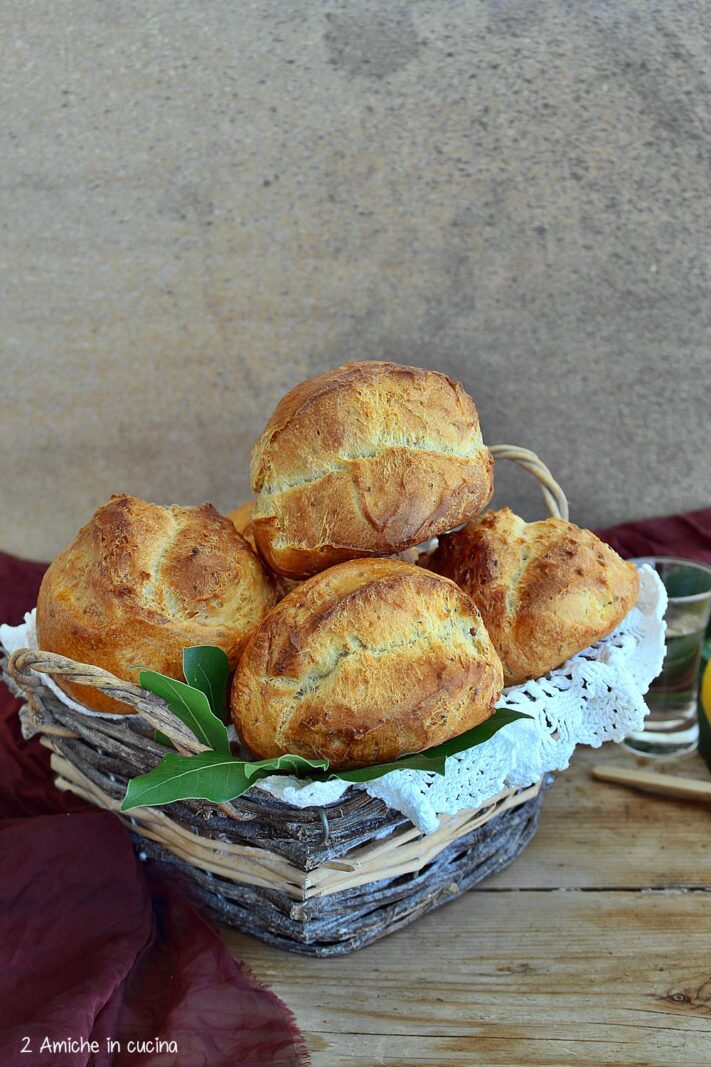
column 366, row 460
column 546, row 590
column 140, row 582
column 365, row 662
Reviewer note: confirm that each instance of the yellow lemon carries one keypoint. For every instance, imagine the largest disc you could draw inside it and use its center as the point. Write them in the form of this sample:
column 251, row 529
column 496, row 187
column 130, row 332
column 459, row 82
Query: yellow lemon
column 705, row 715
column 706, row 691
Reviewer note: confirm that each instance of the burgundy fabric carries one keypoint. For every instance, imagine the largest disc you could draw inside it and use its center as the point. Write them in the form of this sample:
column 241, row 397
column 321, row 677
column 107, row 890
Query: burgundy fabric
column 93, row 944
column 688, row 536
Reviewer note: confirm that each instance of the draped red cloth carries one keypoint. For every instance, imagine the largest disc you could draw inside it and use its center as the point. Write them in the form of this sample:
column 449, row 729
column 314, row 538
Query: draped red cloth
column 688, row 536
column 93, row 944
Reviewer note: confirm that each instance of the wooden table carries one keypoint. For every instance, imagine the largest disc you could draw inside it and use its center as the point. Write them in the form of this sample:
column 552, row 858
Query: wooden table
column 593, row 947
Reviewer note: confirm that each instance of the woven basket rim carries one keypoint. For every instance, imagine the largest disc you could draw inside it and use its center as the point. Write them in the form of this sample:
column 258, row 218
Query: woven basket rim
column 393, row 848
column 25, row 664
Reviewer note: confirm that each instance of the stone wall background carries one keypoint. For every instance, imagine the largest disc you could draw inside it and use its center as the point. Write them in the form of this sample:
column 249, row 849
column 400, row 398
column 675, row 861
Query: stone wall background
column 204, row 203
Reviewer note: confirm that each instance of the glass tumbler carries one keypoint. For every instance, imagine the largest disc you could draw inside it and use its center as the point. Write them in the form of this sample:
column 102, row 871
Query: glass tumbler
column 671, row 728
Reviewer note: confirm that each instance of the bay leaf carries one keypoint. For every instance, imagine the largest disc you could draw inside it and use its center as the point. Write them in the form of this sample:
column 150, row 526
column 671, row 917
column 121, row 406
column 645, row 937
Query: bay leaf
column 191, row 706
column 207, row 776
column 206, row 667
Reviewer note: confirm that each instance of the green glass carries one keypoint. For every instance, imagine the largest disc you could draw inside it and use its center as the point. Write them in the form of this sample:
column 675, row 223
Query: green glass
column 671, row 728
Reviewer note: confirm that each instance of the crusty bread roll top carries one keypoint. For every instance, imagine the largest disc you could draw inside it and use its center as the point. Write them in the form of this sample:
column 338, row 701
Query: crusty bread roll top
column 546, row 590
column 366, row 460
column 141, row 582
column 363, row 663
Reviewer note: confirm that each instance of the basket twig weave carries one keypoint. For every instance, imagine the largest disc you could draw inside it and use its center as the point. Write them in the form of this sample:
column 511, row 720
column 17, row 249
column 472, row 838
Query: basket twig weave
column 316, row 881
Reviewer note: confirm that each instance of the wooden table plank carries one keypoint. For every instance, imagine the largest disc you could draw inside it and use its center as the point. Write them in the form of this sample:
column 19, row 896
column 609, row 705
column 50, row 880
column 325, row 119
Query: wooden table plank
column 580, row 953
column 598, row 835
column 513, row 978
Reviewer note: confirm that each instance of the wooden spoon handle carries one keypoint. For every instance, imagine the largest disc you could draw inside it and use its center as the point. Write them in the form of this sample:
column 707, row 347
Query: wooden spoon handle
column 652, row 782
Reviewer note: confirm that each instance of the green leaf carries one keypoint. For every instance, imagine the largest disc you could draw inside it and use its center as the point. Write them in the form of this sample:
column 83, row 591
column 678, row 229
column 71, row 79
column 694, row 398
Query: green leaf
column 206, row 776
column 191, row 706
column 434, row 759
column 206, row 667
column 289, row 763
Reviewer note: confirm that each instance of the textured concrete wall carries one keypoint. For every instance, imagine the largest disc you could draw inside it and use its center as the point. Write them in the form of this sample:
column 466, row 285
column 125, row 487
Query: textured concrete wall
column 205, row 202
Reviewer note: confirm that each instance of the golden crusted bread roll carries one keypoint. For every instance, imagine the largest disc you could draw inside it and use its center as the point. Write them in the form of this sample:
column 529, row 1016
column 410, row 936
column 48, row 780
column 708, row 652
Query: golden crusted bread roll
column 242, row 519
column 140, row 582
column 365, row 662
column 546, row 590
column 366, row 460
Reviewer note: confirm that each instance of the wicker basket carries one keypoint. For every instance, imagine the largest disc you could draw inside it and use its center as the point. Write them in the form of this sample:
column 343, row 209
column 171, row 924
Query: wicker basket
column 320, row 881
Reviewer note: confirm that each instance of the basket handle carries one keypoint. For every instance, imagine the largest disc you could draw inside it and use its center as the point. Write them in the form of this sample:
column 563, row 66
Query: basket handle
column 555, row 498
column 25, row 661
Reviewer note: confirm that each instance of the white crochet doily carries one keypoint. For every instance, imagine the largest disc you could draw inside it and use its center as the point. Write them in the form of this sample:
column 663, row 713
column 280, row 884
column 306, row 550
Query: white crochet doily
column 594, row 697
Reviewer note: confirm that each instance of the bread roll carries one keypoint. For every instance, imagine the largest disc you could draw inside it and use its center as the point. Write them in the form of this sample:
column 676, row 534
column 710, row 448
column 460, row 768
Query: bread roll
column 141, row 582
column 546, row 590
column 363, row 663
column 366, row 460
column 242, row 519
